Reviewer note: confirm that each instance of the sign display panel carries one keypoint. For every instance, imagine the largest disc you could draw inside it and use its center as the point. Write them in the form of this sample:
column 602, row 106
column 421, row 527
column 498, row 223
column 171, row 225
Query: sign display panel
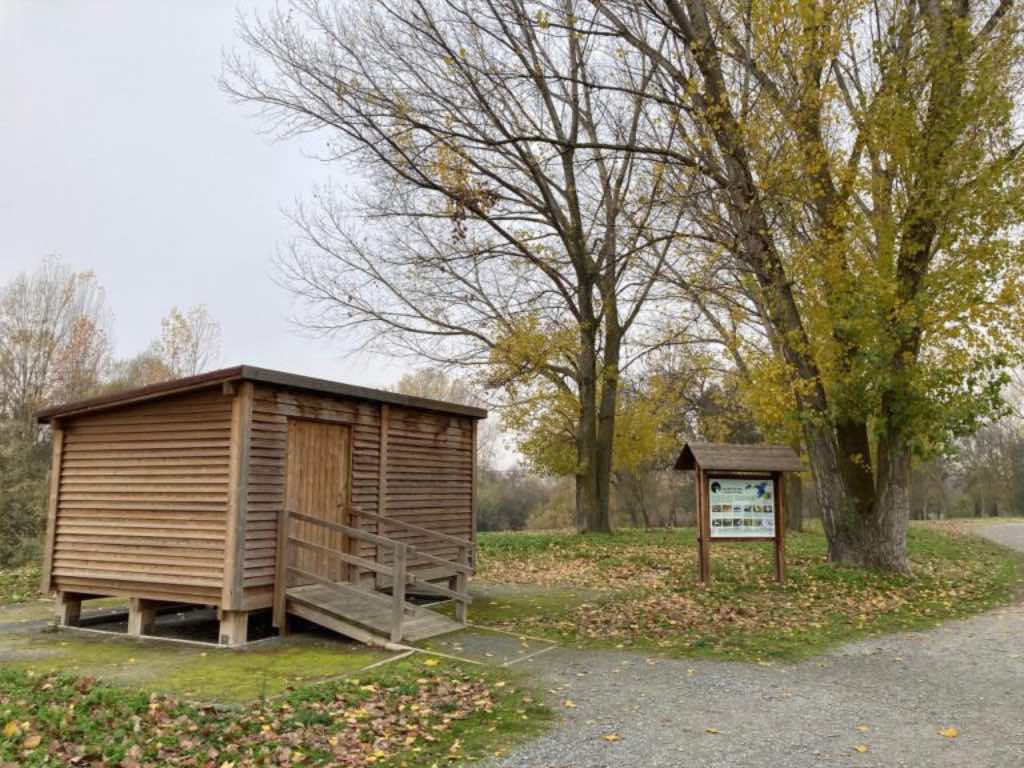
column 742, row 507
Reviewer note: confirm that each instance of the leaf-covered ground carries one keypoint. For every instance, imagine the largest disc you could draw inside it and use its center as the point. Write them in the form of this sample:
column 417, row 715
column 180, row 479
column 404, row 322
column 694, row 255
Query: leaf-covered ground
column 638, row 589
column 414, row 712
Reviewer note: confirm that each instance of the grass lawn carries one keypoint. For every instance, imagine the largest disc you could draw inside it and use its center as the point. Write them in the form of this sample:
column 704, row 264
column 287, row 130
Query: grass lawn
column 19, row 584
column 417, row 711
column 639, row 589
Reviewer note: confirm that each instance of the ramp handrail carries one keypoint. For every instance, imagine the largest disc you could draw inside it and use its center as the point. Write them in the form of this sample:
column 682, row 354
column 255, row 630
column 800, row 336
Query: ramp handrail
column 462, row 566
column 287, row 544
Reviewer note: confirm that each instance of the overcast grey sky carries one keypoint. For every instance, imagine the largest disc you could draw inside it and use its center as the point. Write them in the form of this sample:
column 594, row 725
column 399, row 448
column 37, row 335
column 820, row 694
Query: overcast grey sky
column 119, row 153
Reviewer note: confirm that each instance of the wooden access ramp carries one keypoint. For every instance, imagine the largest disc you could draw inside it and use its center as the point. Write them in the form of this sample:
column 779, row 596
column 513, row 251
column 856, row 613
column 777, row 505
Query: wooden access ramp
column 308, row 584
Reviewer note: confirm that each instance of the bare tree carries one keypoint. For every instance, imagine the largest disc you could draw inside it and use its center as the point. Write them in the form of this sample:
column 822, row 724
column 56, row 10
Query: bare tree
column 507, row 224
column 189, row 341
column 54, row 339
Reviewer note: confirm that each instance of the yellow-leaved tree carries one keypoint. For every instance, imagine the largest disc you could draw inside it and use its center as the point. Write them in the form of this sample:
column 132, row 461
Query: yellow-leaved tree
column 861, row 170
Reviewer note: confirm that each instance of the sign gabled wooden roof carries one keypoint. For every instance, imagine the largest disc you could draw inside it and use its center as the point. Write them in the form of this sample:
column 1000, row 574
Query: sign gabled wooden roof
column 726, row 457
column 259, row 375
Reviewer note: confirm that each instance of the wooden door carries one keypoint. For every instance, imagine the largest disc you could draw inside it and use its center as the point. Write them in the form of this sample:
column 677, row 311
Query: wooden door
column 317, row 484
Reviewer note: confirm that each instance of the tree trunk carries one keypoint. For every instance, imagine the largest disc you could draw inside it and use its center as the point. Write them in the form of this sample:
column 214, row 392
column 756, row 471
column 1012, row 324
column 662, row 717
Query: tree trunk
column 877, row 537
column 588, row 500
column 867, row 532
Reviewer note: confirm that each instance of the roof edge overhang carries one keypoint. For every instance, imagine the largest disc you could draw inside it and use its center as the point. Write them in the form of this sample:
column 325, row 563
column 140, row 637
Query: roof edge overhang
column 746, row 458
column 254, row 374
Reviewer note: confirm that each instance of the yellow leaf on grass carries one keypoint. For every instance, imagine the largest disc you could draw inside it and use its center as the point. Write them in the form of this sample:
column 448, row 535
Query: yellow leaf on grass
column 33, row 741
column 11, row 730
column 611, row 737
column 862, row 748
column 710, row 730
column 431, row 662
column 949, row 733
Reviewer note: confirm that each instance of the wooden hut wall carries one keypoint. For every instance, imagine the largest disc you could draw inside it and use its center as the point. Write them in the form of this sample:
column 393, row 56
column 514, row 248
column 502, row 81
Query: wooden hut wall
column 142, row 500
column 272, row 407
column 428, row 478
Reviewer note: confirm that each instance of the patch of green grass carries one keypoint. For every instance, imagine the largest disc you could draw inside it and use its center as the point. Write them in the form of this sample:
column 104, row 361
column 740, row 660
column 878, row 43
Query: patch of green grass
column 19, row 584
column 639, row 589
column 414, row 712
column 214, row 674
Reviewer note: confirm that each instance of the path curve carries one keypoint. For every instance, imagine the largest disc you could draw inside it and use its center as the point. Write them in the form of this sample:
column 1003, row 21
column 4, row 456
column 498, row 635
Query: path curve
column 903, row 688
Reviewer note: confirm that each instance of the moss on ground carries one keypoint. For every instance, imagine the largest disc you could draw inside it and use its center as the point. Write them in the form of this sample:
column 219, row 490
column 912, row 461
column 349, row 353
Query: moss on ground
column 197, row 673
column 638, row 589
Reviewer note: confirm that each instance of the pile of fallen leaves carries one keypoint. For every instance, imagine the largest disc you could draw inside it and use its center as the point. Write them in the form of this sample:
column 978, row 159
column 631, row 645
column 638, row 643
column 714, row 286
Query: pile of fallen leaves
column 640, row 589
column 62, row 720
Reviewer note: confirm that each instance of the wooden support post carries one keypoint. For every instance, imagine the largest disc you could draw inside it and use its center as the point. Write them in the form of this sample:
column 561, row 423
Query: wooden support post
column 233, row 592
column 281, row 578
column 780, row 528
column 398, row 592
column 382, row 479
column 141, row 616
column 461, row 585
column 69, row 609
column 475, row 491
column 234, row 627
column 703, row 527
column 698, row 516
column 57, row 458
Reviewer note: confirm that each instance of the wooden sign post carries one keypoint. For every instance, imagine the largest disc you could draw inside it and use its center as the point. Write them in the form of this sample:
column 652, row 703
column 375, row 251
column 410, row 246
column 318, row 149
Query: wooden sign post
column 740, row 496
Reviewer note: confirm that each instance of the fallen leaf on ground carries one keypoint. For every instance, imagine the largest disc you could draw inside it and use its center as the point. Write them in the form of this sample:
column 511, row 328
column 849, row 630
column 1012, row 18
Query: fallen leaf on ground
column 863, row 728
column 569, row 704
column 611, row 737
column 33, row 741
column 431, row 662
column 862, row 748
column 710, row 730
column 949, row 733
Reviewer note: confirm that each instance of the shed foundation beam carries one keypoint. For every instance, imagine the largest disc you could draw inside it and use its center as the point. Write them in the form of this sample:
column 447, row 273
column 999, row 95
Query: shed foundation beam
column 141, row 616
column 234, row 627
column 69, row 610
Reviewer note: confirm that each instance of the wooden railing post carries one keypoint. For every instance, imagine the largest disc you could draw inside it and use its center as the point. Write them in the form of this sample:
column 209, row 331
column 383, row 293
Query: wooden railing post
column 398, row 591
column 461, row 585
column 281, row 578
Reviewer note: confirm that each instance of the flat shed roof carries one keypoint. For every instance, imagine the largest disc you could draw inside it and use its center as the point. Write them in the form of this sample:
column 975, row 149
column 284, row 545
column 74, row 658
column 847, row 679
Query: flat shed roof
column 259, row 375
column 726, row 457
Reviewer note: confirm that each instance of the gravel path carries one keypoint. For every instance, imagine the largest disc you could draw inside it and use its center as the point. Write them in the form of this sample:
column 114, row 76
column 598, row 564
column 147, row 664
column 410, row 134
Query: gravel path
column 891, row 694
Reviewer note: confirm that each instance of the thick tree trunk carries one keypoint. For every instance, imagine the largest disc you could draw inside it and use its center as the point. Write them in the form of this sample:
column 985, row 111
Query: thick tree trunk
column 587, row 497
column 594, row 458
column 863, row 532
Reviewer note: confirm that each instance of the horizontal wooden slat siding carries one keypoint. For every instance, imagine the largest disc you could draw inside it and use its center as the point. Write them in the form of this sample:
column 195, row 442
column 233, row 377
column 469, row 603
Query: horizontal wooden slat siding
column 429, row 478
column 272, row 407
column 143, row 498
